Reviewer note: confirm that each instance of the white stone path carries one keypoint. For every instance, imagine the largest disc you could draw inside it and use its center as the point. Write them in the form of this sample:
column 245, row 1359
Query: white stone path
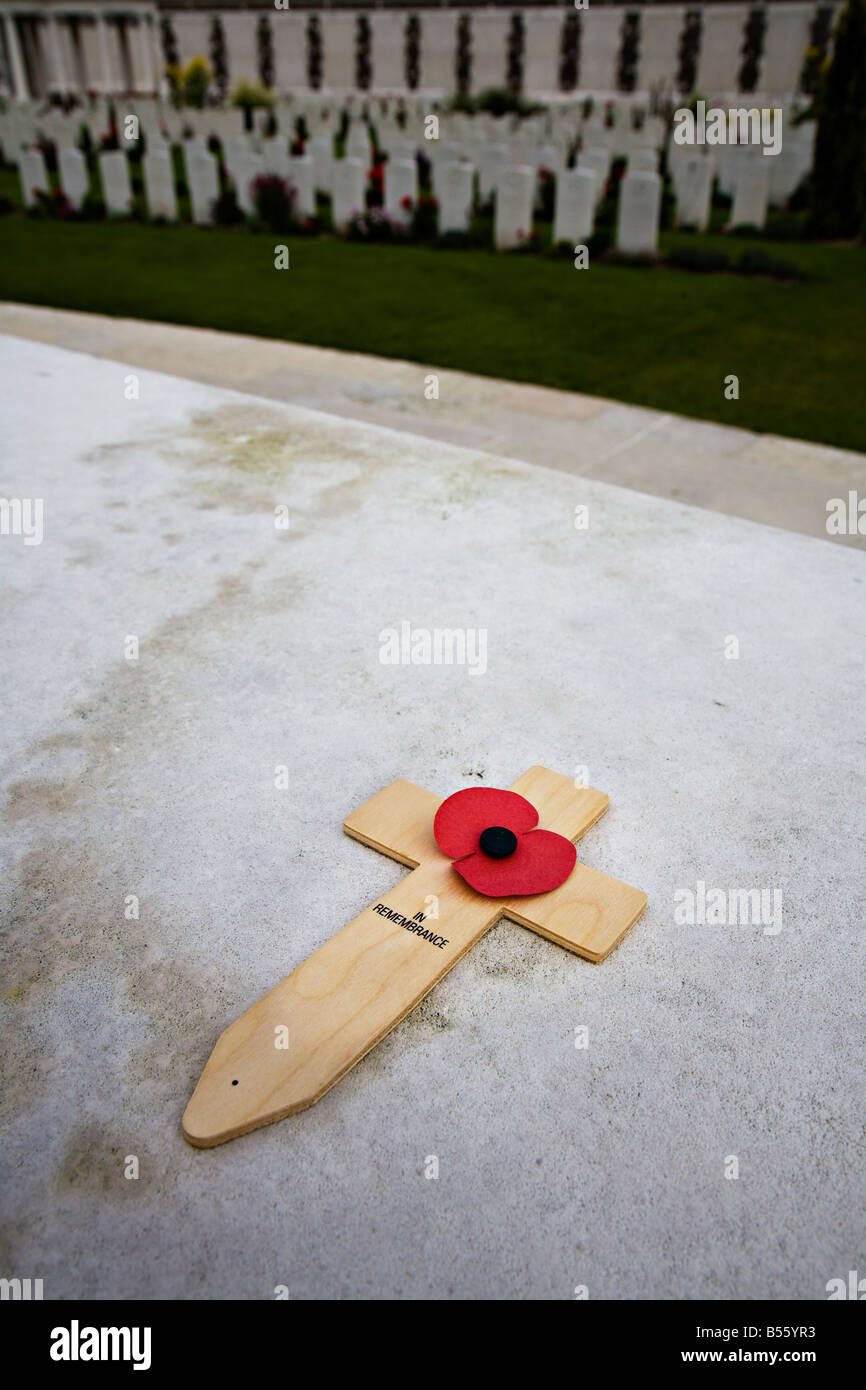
column 782, row 482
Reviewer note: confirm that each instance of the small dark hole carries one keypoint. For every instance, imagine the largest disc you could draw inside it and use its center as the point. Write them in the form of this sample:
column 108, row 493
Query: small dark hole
column 234, row 1083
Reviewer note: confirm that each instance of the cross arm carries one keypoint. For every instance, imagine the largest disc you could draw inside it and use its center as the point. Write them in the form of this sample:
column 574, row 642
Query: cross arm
column 589, row 914
column 398, row 821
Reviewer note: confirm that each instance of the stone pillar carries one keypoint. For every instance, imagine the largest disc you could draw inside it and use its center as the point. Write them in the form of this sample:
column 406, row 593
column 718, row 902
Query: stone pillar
column 104, row 57
column 60, row 84
column 145, row 52
column 17, row 70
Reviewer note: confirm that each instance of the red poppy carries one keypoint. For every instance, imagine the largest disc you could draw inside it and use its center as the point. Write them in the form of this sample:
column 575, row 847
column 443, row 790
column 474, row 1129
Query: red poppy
column 491, row 835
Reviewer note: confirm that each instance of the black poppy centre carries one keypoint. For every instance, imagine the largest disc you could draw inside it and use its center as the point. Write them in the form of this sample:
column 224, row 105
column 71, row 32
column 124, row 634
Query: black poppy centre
column 498, row 841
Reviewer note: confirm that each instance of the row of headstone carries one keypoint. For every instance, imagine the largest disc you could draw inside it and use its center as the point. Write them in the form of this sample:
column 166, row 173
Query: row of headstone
column 202, row 175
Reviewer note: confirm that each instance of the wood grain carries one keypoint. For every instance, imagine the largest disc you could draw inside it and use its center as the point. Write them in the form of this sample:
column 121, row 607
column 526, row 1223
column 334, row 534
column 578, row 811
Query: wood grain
column 363, row 981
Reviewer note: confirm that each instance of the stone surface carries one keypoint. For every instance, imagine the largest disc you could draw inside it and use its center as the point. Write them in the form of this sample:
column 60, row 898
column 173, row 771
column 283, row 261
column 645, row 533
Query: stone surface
column 203, row 180
column 159, row 184
column 115, row 181
column 558, row 1166
column 454, row 191
column 761, row 477
column 637, row 227
column 349, row 182
column 515, row 192
column 301, row 177
column 244, row 167
column 694, row 192
column 33, row 175
column 597, row 159
column 751, row 193
column 575, row 205
column 401, row 181
column 72, row 170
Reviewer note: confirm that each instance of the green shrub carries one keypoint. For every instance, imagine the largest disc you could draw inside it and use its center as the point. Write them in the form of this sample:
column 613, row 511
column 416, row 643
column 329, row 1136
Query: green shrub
column 786, row 226
column 697, row 258
column 600, row 242
column 423, row 226
column 839, row 170
column 273, row 199
column 754, row 261
column 452, row 241
column 226, row 211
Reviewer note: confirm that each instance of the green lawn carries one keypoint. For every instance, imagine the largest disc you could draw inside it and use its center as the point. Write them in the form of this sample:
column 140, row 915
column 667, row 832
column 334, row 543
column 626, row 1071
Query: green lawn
column 655, row 337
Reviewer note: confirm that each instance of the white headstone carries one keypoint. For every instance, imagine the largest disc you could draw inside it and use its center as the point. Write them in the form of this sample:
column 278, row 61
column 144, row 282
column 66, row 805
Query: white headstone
column 401, row 181
column 348, row 195
column 358, row 141
column 115, row 181
column 454, row 192
column 275, row 158
column 196, row 144
column 492, row 160
column 244, row 169
column 598, row 160
column 751, row 193
column 301, row 178
column 402, row 147
column 321, row 151
column 575, row 205
column 203, row 179
column 515, row 188
column 73, row 175
column 640, row 201
column 549, row 156
column 694, row 193
column 34, row 176
column 643, row 161
column 159, row 184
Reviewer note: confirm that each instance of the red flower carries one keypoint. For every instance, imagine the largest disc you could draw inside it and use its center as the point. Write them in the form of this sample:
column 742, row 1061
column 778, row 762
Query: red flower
column 406, row 203
column 492, row 838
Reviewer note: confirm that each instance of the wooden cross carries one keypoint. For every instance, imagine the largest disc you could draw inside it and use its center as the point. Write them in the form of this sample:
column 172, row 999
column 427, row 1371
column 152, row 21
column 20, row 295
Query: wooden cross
column 286, row 1051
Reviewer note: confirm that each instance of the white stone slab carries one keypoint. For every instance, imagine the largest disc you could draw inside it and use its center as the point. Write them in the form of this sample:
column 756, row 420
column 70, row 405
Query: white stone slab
column 492, row 160
column 643, row 161
column 752, row 193
column 34, row 175
column 203, row 180
column 349, row 182
column 114, row 169
column 694, row 192
column 275, row 157
column 358, row 141
column 159, row 184
column 640, row 200
column 401, row 181
column 454, row 191
column 72, row 168
column 598, row 158
column 515, row 190
column 742, row 774
column 321, row 150
column 576, row 200
column 301, row 177
column 243, row 169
